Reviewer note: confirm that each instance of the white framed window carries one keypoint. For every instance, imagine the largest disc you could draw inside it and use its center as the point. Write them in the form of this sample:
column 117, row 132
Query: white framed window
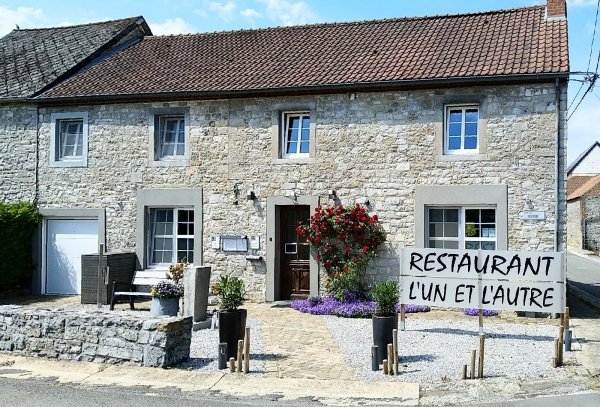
column 461, row 228
column 295, row 136
column 461, row 129
column 69, row 139
column 169, row 141
column 171, row 237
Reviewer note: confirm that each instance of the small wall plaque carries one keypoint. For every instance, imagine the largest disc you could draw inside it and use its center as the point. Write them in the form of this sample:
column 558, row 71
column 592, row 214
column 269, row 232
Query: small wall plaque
column 255, row 242
column 533, row 215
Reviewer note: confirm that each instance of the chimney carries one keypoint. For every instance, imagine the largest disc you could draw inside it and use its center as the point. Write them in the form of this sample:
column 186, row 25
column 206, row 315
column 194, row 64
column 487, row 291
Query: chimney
column 556, row 9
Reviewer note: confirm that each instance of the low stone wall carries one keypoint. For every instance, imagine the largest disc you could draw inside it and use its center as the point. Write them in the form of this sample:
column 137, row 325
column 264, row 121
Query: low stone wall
column 95, row 336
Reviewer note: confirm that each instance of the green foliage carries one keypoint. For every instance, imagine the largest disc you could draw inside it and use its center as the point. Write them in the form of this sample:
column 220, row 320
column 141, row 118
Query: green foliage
column 18, row 221
column 347, row 279
column 386, row 295
column 231, row 293
column 176, row 271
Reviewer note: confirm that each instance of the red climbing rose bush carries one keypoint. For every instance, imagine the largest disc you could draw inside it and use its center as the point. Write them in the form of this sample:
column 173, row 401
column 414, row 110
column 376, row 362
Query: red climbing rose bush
column 346, row 239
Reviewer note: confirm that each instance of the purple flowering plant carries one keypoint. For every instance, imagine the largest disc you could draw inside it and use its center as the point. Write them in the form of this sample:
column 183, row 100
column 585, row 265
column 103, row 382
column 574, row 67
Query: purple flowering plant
column 167, row 289
column 473, row 312
column 354, row 305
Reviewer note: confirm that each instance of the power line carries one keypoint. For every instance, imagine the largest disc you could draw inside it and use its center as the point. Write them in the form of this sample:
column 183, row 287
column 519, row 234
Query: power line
column 592, row 83
column 593, row 38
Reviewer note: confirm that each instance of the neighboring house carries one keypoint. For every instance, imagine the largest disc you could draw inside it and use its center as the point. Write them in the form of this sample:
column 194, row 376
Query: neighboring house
column 583, row 200
column 587, row 164
column 583, row 212
column 32, row 61
column 450, row 127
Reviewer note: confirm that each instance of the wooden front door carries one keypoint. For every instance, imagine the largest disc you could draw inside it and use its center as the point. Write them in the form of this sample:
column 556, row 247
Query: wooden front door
column 293, row 253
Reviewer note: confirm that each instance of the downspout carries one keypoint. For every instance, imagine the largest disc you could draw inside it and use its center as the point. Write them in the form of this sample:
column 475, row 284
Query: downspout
column 37, row 154
column 557, row 167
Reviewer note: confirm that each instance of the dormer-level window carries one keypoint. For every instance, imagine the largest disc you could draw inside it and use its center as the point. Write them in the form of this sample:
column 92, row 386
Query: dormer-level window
column 461, row 130
column 170, row 138
column 69, row 140
column 296, row 135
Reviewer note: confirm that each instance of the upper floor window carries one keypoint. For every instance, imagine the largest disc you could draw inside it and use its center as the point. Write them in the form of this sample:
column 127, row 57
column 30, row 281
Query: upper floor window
column 461, row 228
column 296, row 135
column 68, row 140
column 170, row 138
column 461, row 135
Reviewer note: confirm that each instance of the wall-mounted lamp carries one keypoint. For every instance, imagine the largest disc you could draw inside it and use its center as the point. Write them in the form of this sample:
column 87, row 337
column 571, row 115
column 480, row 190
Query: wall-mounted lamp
column 331, row 193
column 250, row 196
column 352, row 96
column 236, row 193
column 363, row 201
column 529, row 203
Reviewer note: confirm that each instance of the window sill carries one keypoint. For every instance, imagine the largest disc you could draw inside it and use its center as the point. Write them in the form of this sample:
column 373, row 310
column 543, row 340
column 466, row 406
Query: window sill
column 462, row 157
column 293, row 161
column 68, row 164
column 169, row 163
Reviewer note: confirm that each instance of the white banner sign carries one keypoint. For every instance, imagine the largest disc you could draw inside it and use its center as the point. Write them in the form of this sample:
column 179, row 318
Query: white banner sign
column 495, row 280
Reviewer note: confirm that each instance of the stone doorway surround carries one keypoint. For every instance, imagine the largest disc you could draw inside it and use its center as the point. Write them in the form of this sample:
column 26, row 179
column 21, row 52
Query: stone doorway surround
column 274, row 203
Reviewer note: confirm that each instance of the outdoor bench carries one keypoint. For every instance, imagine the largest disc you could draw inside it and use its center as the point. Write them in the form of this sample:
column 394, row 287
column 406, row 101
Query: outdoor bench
column 142, row 279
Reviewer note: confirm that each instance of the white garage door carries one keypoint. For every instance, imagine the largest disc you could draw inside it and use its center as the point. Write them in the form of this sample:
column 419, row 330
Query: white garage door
column 66, row 241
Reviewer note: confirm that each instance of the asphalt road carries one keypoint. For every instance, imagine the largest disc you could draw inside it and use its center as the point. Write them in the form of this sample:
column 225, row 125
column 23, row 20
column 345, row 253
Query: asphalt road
column 584, row 274
column 45, row 393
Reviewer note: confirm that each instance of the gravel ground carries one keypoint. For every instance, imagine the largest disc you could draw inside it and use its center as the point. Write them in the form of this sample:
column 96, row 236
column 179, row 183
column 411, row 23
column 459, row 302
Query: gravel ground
column 434, row 351
column 205, row 346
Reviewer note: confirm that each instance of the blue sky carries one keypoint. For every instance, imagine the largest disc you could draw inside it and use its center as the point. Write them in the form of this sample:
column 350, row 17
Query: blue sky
column 185, row 16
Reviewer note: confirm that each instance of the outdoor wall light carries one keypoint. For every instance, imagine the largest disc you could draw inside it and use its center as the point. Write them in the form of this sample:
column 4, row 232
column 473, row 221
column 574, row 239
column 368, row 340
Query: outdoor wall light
column 250, row 196
column 331, row 194
column 236, row 193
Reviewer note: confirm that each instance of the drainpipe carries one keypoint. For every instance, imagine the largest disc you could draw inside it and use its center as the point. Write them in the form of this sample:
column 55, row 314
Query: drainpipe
column 37, row 154
column 557, row 166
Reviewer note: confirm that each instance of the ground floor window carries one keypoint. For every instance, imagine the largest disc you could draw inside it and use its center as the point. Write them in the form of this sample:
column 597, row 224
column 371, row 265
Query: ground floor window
column 171, row 235
column 461, row 228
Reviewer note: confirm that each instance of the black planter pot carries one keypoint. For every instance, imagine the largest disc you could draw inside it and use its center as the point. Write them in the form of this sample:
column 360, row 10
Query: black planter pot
column 383, row 328
column 232, row 328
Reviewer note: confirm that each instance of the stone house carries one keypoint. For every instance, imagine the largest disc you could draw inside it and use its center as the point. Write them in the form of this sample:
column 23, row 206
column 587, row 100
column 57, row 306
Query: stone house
column 583, row 200
column 211, row 147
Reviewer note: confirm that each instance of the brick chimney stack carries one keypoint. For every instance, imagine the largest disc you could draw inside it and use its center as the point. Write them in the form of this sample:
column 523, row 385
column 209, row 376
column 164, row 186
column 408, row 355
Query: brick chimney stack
column 556, row 9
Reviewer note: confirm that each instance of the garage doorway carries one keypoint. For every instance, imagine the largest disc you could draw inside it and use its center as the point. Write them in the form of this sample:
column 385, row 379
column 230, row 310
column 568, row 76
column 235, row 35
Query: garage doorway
column 66, row 241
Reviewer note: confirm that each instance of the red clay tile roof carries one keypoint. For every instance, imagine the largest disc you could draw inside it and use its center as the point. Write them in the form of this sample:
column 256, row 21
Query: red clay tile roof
column 590, row 188
column 34, row 58
column 575, row 181
column 490, row 44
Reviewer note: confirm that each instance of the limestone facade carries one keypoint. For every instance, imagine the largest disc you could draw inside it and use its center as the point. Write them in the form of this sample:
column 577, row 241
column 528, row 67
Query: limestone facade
column 18, row 128
column 374, row 146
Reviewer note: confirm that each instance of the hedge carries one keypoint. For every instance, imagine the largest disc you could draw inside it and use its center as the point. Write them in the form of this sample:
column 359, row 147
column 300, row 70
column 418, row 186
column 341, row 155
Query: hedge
column 18, row 221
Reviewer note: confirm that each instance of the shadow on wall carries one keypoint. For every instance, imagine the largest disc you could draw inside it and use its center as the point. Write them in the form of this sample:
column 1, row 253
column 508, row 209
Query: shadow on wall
column 61, row 276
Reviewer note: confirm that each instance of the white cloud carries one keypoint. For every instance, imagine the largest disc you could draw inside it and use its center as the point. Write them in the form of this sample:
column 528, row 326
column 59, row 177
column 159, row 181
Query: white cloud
column 172, row 26
column 581, row 3
column 224, row 10
column 22, row 16
column 289, row 12
column 250, row 13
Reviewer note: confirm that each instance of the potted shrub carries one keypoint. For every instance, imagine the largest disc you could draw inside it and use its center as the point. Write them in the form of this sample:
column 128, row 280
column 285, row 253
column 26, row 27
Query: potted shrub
column 165, row 298
column 232, row 319
column 385, row 318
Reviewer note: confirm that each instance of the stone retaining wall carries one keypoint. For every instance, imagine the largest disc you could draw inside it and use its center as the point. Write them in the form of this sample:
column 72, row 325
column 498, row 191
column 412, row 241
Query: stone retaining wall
column 95, row 336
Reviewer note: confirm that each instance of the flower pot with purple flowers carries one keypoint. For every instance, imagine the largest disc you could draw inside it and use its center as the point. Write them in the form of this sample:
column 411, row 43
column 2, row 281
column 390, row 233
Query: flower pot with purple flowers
column 165, row 298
